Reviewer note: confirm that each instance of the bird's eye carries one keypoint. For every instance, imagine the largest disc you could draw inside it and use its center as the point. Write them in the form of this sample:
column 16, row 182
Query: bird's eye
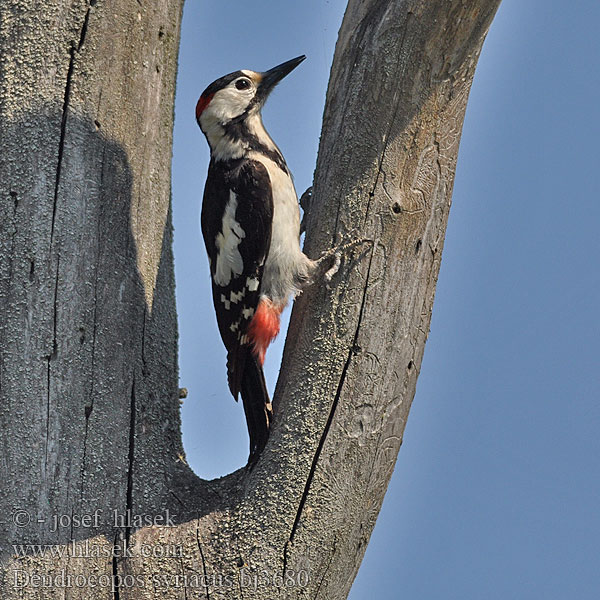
column 242, row 84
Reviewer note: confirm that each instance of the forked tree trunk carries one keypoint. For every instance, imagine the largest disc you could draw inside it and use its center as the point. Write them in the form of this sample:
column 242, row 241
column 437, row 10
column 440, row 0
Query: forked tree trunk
column 89, row 413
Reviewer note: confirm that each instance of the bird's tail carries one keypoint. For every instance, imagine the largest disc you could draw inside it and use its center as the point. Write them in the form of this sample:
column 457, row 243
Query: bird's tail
column 257, row 405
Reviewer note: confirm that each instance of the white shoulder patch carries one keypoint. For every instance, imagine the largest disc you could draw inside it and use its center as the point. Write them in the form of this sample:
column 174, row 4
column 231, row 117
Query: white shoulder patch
column 229, row 260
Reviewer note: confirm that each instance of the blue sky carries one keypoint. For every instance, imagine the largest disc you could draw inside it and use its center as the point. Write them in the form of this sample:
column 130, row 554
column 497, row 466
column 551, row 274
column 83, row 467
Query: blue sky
column 496, row 491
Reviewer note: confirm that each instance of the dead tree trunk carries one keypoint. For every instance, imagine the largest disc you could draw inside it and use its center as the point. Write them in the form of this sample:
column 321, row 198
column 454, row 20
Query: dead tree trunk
column 89, row 414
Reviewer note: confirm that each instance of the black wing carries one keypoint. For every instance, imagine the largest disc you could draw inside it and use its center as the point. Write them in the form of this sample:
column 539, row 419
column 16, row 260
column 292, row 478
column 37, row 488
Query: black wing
column 237, row 212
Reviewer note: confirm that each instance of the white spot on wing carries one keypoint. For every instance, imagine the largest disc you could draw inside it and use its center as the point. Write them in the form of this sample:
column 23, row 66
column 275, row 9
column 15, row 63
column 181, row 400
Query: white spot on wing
column 235, row 298
column 225, row 302
column 252, row 283
column 229, row 260
column 247, row 313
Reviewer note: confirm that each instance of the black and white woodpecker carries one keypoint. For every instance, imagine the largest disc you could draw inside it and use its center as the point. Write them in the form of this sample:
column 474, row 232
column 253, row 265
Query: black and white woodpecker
column 251, row 229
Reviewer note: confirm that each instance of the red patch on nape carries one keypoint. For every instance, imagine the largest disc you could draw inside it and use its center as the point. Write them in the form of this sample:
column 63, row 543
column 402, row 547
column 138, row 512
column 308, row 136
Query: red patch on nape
column 264, row 327
column 202, row 104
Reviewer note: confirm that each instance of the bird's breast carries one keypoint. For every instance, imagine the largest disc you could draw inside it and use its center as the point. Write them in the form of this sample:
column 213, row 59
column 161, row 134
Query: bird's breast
column 285, row 263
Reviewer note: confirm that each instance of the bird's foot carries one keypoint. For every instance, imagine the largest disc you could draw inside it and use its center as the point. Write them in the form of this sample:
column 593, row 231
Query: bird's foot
column 336, row 254
column 322, row 264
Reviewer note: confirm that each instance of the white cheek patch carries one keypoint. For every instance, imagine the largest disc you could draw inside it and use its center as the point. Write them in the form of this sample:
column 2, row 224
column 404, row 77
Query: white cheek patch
column 227, row 104
column 229, row 260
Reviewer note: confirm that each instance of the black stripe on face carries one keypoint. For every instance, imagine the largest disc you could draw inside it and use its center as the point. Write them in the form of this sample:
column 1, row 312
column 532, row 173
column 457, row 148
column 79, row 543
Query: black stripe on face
column 237, row 129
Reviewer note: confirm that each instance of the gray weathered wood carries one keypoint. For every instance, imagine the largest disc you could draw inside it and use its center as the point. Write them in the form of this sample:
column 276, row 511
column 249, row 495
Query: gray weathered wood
column 89, row 413
column 88, row 380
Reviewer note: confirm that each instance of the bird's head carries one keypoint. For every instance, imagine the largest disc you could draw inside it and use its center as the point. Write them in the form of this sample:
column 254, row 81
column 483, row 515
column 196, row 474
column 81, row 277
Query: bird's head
column 237, row 97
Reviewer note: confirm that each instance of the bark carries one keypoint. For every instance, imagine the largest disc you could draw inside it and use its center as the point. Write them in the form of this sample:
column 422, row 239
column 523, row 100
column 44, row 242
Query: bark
column 89, row 414
column 89, row 409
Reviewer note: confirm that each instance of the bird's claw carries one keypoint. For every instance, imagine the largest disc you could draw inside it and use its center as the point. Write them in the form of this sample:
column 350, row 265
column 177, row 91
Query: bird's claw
column 336, row 253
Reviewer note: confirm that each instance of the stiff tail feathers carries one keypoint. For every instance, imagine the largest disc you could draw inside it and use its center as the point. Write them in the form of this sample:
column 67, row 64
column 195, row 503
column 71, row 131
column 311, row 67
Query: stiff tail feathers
column 257, row 406
column 245, row 374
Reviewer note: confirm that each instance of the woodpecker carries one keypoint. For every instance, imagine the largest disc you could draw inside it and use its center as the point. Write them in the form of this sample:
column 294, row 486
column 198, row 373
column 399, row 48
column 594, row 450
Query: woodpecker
column 251, row 228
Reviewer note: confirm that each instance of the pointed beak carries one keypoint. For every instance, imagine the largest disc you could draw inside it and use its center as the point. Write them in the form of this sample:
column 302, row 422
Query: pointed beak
column 273, row 76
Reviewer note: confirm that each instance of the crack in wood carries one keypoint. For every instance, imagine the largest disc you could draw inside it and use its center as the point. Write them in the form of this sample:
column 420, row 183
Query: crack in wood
column 75, row 48
column 115, row 569
column 333, row 551
column 207, row 589
column 398, row 74
column 332, row 410
column 185, row 594
column 131, row 456
column 90, row 407
column 61, row 146
column 49, row 359
column 401, row 67
column 117, row 550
